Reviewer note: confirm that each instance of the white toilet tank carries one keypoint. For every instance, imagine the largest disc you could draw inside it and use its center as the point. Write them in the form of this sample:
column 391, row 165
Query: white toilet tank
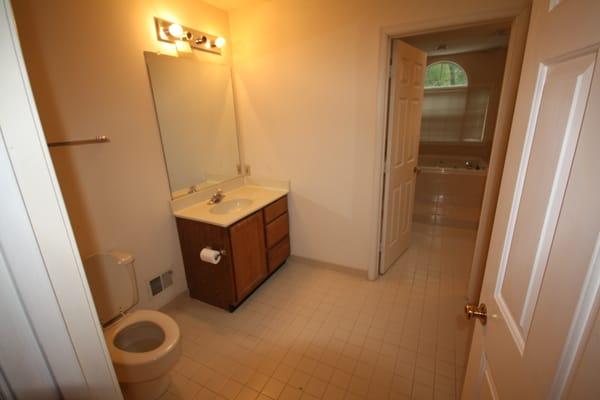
column 112, row 281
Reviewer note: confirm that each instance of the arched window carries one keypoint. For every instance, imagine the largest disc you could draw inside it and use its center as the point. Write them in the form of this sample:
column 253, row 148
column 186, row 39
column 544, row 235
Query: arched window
column 453, row 110
column 445, row 74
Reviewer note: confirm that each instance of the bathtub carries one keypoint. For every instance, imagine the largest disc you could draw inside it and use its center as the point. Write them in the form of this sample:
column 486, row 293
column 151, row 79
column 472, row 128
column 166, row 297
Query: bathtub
column 452, row 164
column 449, row 190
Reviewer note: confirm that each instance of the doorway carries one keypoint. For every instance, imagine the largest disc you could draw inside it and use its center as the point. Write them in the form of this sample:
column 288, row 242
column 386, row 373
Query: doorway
column 446, row 207
column 459, row 138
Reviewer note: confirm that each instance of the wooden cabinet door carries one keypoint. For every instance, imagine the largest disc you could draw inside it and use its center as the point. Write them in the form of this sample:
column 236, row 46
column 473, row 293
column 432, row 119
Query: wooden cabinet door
column 249, row 258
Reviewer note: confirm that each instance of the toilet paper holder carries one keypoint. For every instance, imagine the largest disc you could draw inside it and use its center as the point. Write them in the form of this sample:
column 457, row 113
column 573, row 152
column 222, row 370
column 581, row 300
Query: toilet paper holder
column 222, row 252
column 211, row 256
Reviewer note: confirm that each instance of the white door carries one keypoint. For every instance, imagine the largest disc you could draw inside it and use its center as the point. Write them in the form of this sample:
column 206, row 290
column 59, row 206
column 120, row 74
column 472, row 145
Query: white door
column 404, row 125
column 542, row 280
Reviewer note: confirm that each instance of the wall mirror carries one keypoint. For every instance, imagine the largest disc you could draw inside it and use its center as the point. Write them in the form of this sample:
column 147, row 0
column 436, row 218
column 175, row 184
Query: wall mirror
column 196, row 117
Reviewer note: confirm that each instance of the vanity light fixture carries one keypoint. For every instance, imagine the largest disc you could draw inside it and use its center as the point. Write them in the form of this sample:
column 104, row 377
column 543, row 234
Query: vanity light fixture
column 186, row 38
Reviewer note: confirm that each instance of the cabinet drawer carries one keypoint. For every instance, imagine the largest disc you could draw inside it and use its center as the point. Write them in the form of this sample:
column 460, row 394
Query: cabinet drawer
column 279, row 253
column 277, row 230
column 275, row 209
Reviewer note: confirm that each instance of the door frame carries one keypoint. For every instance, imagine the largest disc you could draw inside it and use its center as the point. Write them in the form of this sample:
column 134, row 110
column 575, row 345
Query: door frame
column 387, row 35
column 38, row 245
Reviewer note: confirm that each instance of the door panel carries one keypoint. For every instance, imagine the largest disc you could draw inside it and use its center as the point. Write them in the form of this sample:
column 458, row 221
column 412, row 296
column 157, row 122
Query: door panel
column 395, row 216
column 414, row 128
column 406, row 99
column 542, row 277
column 406, row 206
column 564, row 90
column 401, row 119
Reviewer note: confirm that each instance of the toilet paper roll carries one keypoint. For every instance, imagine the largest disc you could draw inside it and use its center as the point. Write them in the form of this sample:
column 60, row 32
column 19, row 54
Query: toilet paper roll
column 210, row 256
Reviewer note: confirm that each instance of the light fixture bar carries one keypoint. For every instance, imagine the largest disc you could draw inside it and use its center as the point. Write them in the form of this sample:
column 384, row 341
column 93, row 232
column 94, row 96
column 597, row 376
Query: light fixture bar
column 169, row 32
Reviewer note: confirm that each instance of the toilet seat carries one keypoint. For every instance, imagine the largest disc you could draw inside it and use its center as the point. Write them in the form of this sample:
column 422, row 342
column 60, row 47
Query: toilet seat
column 141, row 366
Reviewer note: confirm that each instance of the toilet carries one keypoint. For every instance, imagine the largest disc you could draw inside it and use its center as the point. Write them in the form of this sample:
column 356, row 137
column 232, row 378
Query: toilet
column 144, row 344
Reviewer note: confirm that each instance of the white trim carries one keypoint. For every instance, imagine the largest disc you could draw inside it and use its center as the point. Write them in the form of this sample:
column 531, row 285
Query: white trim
column 385, row 42
column 389, row 125
column 77, row 355
column 490, row 383
column 587, row 306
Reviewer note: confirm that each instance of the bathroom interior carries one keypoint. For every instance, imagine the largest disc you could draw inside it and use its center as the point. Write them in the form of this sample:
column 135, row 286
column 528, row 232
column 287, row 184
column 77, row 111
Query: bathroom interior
column 199, row 184
column 462, row 92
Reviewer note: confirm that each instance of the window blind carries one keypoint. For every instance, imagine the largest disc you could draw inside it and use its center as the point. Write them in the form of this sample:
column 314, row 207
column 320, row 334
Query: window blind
column 454, row 115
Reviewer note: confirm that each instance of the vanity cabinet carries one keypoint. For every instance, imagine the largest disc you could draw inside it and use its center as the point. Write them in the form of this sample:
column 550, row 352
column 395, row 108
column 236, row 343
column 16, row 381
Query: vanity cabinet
column 253, row 248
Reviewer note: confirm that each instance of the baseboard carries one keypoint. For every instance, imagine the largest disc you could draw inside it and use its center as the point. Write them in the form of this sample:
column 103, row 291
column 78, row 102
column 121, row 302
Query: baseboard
column 327, row 265
column 185, row 294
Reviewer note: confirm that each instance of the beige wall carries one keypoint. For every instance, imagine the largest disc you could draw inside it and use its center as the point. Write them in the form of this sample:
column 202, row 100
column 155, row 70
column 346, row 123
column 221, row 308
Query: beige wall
column 483, row 68
column 307, row 78
column 86, row 64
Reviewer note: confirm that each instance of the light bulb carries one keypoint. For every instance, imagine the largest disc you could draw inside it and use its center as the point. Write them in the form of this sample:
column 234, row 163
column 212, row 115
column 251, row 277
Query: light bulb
column 176, row 30
column 220, row 42
column 207, row 44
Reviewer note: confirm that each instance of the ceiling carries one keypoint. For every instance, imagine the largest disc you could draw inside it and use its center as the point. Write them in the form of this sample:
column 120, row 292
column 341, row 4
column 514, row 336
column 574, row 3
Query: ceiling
column 229, row 5
column 476, row 38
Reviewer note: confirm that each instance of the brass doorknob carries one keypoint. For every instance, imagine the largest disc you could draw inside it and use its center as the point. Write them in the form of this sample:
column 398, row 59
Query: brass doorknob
column 476, row 311
column 417, row 170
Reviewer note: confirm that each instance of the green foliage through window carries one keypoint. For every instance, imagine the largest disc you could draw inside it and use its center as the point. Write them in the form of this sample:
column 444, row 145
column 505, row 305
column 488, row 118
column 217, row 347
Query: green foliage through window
column 445, row 74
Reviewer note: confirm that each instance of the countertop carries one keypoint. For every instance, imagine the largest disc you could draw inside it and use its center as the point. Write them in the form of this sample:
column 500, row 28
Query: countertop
column 255, row 197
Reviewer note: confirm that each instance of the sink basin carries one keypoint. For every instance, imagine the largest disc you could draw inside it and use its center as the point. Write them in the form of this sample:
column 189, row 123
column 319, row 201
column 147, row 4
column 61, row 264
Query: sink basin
column 231, row 206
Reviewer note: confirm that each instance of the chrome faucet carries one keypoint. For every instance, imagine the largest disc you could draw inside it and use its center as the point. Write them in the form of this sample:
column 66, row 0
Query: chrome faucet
column 217, row 197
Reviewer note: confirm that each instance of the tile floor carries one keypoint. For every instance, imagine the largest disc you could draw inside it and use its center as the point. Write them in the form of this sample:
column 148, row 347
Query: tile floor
column 317, row 333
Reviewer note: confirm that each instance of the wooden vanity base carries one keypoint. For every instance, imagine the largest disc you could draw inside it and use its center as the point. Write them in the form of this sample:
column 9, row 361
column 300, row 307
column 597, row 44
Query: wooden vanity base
column 254, row 248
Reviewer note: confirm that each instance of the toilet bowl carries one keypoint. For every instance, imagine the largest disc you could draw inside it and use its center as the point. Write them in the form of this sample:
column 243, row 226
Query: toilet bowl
column 144, row 344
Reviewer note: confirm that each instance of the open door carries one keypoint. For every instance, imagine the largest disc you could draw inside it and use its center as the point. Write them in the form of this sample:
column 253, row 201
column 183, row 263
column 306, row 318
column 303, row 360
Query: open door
column 402, row 150
column 542, row 279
